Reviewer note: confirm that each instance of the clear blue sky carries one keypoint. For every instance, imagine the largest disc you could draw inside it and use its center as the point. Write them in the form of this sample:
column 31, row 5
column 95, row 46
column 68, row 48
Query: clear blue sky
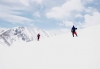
column 53, row 15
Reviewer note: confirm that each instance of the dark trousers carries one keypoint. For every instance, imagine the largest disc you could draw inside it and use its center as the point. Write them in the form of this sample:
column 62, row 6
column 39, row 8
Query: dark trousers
column 38, row 38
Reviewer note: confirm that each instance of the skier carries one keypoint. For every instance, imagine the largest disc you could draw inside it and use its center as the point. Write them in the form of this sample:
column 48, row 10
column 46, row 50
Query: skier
column 38, row 36
column 73, row 30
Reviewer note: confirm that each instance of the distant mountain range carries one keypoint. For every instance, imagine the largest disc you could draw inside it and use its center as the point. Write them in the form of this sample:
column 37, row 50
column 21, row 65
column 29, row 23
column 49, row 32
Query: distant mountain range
column 9, row 36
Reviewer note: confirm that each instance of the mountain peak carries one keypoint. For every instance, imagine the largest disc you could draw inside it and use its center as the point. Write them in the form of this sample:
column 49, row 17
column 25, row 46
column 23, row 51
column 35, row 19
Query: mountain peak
column 22, row 33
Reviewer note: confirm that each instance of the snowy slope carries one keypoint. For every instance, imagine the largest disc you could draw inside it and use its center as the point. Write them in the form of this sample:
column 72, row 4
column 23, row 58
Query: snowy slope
column 59, row 52
column 2, row 30
column 22, row 33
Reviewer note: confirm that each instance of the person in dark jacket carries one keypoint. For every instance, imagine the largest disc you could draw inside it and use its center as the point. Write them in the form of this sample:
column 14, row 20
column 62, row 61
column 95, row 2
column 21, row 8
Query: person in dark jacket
column 73, row 30
column 38, row 36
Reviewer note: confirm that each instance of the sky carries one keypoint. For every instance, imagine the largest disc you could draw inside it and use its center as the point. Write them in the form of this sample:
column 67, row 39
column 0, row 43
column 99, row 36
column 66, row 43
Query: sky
column 58, row 52
column 53, row 15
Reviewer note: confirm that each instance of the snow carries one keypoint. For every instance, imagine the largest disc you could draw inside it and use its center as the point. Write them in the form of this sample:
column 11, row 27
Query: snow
column 59, row 52
column 2, row 30
column 26, row 34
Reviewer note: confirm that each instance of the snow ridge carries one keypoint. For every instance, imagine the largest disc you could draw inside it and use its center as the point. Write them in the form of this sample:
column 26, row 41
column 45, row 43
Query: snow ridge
column 22, row 33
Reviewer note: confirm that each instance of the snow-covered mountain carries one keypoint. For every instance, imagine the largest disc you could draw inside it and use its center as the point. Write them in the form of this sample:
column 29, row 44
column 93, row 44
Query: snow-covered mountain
column 2, row 30
column 22, row 33
column 58, row 52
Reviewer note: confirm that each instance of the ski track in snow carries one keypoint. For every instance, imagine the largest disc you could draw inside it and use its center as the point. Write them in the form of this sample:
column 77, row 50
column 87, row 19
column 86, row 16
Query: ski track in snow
column 59, row 52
